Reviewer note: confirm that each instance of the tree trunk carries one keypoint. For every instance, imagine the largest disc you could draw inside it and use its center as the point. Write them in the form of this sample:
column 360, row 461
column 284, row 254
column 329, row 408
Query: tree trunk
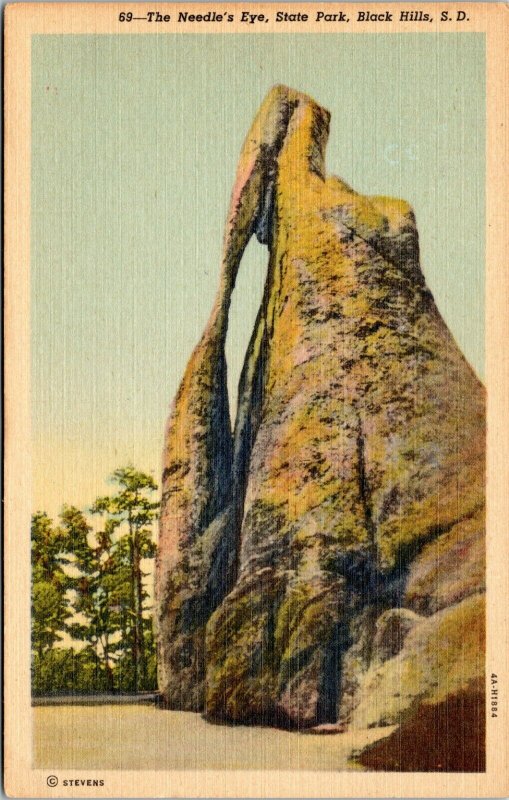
column 138, row 583
column 134, row 603
column 107, row 666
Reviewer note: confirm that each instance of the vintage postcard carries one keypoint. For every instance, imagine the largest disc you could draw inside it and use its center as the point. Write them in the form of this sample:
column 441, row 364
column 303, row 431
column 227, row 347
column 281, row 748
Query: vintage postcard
column 257, row 400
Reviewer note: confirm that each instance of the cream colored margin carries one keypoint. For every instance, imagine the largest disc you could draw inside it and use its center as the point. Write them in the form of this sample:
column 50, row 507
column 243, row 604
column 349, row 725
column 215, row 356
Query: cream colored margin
column 25, row 19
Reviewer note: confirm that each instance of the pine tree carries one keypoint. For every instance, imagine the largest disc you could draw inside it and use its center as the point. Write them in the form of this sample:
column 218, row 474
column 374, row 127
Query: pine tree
column 49, row 585
column 96, row 587
column 133, row 511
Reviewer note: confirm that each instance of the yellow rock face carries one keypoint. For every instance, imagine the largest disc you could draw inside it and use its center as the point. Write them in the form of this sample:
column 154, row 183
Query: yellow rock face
column 357, row 454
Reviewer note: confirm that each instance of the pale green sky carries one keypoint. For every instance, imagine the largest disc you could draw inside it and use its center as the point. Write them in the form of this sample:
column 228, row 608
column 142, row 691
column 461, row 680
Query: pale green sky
column 135, row 140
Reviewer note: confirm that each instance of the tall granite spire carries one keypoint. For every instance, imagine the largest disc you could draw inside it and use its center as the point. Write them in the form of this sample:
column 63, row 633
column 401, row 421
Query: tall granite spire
column 336, row 535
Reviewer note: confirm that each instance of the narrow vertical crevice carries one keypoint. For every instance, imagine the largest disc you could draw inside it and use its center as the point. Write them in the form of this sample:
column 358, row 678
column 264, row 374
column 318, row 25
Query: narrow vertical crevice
column 365, row 493
column 243, row 317
column 220, row 448
column 330, row 689
column 230, row 465
column 361, row 576
column 249, row 411
column 252, row 385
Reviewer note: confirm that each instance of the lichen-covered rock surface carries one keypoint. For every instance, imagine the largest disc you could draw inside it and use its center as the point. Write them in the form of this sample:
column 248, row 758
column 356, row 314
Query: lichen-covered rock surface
column 323, row 562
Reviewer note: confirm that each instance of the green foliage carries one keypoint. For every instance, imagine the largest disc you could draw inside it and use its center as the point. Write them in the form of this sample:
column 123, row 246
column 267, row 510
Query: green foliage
column 49, row 584
column 66, row 671
column 132, row 510
column 91, row 586
column 48, row 614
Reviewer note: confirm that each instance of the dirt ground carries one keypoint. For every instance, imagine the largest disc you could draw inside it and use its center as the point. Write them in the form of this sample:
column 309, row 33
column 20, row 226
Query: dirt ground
column 144, row 737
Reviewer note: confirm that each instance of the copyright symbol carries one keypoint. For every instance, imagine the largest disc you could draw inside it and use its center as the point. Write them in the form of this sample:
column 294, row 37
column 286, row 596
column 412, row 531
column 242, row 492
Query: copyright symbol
column 52, row 780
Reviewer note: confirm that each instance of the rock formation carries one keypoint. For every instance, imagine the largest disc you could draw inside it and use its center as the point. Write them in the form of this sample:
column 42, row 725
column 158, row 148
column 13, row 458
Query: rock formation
column 324, row 562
